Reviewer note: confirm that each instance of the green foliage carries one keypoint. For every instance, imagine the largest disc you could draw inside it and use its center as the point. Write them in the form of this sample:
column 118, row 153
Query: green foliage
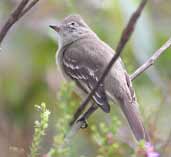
column 103, row 136
column 66, row 106
column 39, row 129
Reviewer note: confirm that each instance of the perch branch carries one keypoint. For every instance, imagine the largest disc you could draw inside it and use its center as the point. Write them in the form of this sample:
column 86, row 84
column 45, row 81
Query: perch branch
column 33, row 3
column 15, row 16
column 151, row 60
column 127, row 32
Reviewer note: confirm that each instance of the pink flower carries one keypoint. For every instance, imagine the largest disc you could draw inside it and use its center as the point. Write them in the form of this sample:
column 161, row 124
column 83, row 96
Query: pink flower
column 149, row 150
column 153, row 154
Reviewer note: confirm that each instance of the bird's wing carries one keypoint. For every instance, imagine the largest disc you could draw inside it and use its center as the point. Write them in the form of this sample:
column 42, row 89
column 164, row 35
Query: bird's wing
column 82, row 69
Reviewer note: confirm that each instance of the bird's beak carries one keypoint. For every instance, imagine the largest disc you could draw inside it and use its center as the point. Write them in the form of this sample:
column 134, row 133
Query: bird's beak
column 55, row 27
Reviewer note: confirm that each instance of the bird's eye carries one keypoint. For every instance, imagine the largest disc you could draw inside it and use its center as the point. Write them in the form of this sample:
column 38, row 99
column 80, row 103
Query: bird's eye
column 73, row 23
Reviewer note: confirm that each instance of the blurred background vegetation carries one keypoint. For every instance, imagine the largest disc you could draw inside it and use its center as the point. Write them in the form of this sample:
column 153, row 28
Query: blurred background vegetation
column 29, row 76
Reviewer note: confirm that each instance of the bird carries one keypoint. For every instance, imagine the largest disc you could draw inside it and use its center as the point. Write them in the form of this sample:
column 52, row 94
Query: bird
column 82, row 57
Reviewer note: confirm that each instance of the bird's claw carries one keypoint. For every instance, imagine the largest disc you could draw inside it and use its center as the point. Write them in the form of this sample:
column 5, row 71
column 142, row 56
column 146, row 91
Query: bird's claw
column 84, row 122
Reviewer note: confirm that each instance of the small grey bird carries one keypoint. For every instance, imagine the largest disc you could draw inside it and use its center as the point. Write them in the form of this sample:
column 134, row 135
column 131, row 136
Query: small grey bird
column 82, row 56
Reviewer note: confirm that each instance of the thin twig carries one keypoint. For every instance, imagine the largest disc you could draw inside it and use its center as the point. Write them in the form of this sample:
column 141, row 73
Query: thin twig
column 127, row 32
column 21, row 10
column 12, row 19
column 151, row 60
column 28, row 7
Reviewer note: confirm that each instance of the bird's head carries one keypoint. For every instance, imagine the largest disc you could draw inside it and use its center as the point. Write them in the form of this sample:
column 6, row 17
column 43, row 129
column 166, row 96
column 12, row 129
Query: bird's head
column 70, row 29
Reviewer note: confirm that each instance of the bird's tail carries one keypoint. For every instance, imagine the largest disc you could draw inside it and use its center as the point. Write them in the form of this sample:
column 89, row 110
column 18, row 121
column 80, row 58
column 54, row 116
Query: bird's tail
column 135, row 122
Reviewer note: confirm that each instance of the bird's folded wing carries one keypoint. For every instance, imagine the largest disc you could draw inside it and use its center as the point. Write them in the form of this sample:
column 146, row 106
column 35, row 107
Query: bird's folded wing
column 82, row 69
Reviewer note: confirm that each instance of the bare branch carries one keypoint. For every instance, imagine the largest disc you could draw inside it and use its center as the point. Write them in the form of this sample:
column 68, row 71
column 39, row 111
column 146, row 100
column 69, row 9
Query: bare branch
column 127, row 32
column 72, row 132
column 15, row 16
column 12, row 19
column 151, row 60
column 28, row 7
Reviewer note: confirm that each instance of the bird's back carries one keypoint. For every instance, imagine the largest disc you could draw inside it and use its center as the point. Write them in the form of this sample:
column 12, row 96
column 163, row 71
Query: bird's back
column 96, row 54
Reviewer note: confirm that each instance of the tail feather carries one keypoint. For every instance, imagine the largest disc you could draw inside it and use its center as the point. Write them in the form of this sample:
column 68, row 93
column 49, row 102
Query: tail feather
column 133, row 116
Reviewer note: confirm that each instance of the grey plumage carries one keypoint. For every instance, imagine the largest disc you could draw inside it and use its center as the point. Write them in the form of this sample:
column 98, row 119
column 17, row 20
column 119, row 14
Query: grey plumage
column 84, row 69
column 82, row 57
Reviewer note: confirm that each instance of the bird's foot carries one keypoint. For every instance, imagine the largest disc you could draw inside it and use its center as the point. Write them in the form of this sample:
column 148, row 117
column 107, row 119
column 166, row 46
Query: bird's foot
column 83, row 121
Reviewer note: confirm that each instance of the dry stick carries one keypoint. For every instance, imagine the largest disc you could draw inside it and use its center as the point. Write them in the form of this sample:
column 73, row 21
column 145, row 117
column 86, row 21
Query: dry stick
column 12, row 19
column 127, row 32
column 151, row 60
column 15, row 16
column 28, row 7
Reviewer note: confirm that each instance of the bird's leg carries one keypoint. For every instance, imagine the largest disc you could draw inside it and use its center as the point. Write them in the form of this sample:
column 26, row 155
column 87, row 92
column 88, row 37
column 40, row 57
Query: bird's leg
column 83, row 118
column 78, row 112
